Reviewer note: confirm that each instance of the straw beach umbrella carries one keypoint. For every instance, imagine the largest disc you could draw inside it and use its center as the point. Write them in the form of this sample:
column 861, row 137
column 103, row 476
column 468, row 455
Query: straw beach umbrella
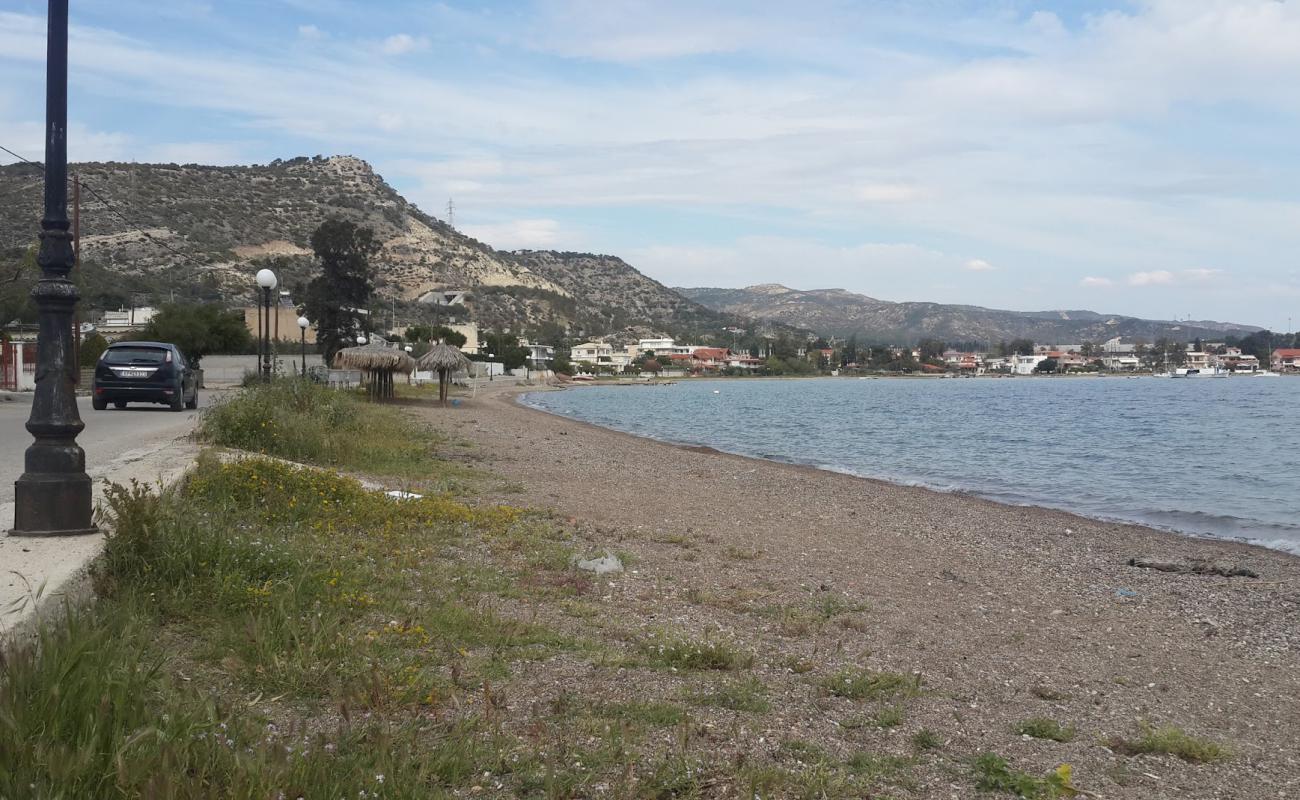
column 445, row 359
column 378, row 361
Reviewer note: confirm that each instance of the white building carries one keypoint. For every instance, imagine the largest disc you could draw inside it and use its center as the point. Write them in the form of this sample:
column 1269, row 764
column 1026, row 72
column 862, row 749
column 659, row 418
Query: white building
column 127, row 318
column 664, row 347
column 1024, row 365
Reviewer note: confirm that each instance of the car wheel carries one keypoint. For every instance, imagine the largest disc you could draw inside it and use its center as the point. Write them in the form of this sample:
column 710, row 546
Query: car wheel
column 98, row 403
column 178, row 401
column 119, row 404
column 194, row 401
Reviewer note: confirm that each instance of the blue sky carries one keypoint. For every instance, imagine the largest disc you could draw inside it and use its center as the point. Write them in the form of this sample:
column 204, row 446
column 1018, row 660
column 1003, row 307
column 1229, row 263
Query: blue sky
column 1127, row 157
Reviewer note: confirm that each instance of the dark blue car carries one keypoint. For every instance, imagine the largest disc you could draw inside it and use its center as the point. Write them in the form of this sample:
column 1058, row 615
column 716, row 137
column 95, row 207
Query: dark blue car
column 144, row 372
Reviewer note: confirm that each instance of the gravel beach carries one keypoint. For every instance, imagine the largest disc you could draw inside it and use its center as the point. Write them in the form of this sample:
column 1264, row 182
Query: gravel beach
column 1004, row 614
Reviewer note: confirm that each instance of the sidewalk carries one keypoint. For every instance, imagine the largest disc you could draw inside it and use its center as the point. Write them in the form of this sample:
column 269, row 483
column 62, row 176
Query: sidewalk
column 38, row 574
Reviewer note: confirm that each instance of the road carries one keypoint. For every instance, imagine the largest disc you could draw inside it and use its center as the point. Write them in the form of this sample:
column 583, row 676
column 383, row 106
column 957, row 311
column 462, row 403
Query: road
column 148, row 444
column 111, row 438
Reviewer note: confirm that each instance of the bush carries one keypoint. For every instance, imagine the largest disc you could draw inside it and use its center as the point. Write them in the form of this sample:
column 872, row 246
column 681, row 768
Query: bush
column 304, row 421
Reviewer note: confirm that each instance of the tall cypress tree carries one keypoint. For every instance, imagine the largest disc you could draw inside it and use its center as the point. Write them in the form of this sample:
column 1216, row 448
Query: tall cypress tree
column 344, row 285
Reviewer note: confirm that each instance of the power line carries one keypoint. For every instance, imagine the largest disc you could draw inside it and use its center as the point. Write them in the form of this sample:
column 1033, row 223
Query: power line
column 20, row 158
column 138, row 229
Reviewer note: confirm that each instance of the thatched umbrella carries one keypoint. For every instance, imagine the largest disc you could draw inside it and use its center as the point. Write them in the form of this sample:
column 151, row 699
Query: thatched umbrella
column 379, row 362
column 445, row 359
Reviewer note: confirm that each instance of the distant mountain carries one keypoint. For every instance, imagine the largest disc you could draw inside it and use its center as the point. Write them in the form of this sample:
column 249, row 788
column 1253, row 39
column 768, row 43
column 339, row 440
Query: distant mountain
column 841, row 313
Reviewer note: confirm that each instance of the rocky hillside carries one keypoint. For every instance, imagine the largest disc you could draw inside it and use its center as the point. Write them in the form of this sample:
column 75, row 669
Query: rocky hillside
column 156, row 231
column 174, row 227
column 620, row 297
column 842, row 313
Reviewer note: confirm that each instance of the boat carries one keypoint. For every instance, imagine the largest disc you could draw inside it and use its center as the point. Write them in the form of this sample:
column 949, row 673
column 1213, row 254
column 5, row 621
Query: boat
column 1199, row 372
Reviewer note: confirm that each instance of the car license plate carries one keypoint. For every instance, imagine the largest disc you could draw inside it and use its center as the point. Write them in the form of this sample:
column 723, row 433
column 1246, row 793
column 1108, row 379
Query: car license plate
column 134, row 373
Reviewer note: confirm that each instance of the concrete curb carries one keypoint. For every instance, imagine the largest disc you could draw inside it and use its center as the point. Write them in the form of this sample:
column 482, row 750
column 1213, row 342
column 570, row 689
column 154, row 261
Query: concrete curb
column 16, row 397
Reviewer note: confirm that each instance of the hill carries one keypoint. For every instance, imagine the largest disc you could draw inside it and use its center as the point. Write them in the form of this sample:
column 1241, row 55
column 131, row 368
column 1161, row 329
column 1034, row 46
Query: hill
column 152, row 232
column 841, row 313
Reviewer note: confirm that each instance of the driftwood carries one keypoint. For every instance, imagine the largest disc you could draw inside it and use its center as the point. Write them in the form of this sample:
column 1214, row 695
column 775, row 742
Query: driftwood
column 1194, row 567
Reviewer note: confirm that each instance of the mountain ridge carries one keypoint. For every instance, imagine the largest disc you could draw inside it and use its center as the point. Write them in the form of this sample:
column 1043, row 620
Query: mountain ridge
column 842, row 313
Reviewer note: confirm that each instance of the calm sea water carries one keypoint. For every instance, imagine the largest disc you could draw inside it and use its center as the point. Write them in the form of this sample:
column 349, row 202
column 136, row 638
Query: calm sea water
column 1207, row 457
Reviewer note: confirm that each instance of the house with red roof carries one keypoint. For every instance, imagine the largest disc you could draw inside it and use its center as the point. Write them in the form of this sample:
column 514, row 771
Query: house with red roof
column 1286, row 359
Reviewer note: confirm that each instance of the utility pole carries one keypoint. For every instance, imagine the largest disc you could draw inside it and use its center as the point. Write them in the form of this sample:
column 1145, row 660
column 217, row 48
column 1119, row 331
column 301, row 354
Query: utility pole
column 52, row 497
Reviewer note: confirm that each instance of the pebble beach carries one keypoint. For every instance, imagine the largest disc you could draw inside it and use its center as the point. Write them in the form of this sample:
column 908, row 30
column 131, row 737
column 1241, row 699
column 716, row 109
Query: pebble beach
column 1001, row 613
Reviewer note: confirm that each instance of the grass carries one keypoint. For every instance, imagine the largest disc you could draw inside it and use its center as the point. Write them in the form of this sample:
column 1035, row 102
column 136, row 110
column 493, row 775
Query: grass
column 676, row 653
column 303, row 421
column 866, row 684
column 926, row 739
column 1170, row 740
column 746, row 694
column 992, row 773
column 1045, row 728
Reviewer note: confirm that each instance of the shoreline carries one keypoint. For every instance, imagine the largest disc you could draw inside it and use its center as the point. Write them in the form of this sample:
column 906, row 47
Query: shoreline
column 516, row 397
column 1006, row 613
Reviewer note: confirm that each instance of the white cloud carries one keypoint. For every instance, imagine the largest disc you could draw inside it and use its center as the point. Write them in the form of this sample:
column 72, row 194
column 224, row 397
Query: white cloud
column 1093, row 282
column 1157, row 277
column 1164, row 277
column 978, row 265
column 311, row 32
column 401, row 43
column 519, row 234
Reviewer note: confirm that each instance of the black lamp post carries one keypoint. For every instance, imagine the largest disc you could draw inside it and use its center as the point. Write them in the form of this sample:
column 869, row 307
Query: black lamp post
column 266, row 279
column 52, row 498
column 303, row 322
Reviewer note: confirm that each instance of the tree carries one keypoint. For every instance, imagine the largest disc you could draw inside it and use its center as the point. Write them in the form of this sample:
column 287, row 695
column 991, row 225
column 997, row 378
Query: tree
column 436, row 333
column 932, row 349
column 18, row 273
column 1047, row 365
column 1020, row 347
column 198, row 330
column 560, row 364
column 505, row 348
column 1088, row 350
column 92, row 347
column 651, row 365
column 345, row 284
column 849, row 355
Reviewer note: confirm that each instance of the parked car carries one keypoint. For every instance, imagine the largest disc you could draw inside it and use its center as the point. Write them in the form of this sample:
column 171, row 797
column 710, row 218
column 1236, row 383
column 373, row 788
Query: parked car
column 144, row 372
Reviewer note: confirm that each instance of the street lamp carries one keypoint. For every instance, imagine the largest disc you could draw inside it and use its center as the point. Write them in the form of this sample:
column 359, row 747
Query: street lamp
column 361, row 340
column 52, row 497
column 490, row 357
column 266, row 279
column 303, row 322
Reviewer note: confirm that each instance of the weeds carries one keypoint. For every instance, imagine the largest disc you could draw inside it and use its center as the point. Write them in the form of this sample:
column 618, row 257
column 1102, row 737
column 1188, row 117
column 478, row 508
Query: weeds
column 1173, row 741
column 1045, row 728
column 678, row 653
column 303, row 421
column 865, row 684
column 747, row 694
column 993, row 774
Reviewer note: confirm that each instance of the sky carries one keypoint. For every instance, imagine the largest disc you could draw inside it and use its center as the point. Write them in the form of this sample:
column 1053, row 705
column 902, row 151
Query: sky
column 1125, row 157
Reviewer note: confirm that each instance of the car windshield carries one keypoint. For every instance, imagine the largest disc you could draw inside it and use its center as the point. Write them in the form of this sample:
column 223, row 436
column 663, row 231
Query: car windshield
column 134, row 355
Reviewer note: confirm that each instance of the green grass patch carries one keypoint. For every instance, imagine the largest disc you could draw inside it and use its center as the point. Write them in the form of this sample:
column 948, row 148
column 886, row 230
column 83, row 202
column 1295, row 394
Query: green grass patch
column 1170, row 740
column 992, row 773
column 304, row 421
column 746, row 694
column 1045, row 728
column 677, row 653
column 926, row 739
column 866, row 684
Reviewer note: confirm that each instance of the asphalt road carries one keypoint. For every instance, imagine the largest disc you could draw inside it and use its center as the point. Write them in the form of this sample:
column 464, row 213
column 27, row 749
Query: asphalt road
column 110, row 436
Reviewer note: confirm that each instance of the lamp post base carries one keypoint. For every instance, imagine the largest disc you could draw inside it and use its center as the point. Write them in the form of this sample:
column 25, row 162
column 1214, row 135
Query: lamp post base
column 52, row 504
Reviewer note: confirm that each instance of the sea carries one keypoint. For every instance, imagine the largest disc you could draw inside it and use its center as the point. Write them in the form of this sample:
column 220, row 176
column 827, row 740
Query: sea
column 1205, row 457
